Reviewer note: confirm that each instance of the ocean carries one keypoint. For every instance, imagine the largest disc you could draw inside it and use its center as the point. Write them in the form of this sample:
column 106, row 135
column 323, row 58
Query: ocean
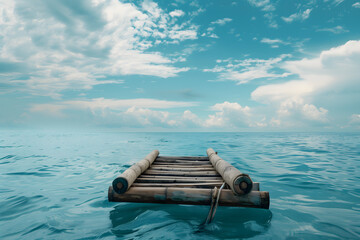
column 54, row 186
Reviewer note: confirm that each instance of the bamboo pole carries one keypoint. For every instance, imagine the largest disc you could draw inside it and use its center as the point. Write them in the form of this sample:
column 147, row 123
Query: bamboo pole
column 192, row 196
column 239, row 182
column 123, row 182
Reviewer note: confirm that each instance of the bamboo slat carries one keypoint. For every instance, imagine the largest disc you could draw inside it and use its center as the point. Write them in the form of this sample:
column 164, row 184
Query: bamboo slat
column 184, row 164
column 183, row 161
column 177, row 180
column 189, row 169
column 177, row 173
column 187, row 185
column 182, row 177
column 182, row 158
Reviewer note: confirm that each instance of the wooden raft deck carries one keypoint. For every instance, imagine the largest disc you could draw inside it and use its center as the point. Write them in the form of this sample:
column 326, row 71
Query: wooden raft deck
column 187, row 180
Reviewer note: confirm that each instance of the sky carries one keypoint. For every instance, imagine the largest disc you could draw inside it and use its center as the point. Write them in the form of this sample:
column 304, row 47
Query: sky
column 246, row 65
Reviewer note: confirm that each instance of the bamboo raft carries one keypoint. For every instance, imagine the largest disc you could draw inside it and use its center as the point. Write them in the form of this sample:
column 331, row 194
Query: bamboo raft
column 187, row 180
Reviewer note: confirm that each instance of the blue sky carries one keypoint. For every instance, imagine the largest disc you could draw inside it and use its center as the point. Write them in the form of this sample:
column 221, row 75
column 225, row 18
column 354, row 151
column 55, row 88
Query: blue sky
column 247, row 65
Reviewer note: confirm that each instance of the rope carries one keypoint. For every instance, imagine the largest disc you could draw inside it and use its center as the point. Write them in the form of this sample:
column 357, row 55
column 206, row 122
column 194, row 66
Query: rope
column 214, row 204
column 213, row 197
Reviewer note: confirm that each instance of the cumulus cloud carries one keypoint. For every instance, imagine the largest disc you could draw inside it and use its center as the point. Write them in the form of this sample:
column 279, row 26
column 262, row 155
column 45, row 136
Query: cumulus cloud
column 115, row 112
column 243, row 71
column 300, row 16
column 190, row 120
column 335, row 70
column 135, row 113
column 228, row 115
column 177, row 13
column 295, row 107
column 64, row 45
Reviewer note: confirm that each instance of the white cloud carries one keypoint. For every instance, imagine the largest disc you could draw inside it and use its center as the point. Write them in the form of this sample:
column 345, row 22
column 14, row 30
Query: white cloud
column 228, row 115
column 268, row 7
column 265, row 5
column 300, row 16
column 335, row 30
column 356, row 5
column 335, row 71
column 222, row 21
column 140, row 117
column 111, row 104
column 355, row 118
column 190, row 120
column 176, row 13
column 295, row 107
column 337, row 2
column 140, row 113
column 243, row 71
column 116, row 112
column 183, row 34
column 77, row 44
column 274, row 43
column 210, row 30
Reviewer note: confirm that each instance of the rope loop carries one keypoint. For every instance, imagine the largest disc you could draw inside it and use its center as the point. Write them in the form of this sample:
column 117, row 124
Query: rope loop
column 214, row 203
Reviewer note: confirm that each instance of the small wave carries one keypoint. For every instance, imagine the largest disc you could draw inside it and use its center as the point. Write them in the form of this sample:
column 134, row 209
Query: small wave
column 7, row 157
column 36, row 174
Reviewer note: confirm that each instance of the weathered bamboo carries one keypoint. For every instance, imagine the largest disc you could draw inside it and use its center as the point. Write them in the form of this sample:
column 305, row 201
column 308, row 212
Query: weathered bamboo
column 178, row 173
column 177, row 180
column 239, row 182
column 182, row 158
column 184, row 185
column 182, row 164
column 218, row 177
column 181, row 169
column 193, row 196
column 182, row 161
column 123, row 182
column 256, row 186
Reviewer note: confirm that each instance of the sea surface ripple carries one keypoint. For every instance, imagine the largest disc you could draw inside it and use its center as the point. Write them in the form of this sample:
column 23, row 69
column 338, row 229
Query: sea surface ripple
column 54, row 186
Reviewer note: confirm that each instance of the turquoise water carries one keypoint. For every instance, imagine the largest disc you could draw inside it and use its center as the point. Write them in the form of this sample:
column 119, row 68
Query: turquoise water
column 54, row 186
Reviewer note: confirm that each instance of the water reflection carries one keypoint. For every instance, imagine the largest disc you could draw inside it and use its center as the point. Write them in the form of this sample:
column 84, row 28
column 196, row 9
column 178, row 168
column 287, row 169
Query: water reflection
column 136, row 220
